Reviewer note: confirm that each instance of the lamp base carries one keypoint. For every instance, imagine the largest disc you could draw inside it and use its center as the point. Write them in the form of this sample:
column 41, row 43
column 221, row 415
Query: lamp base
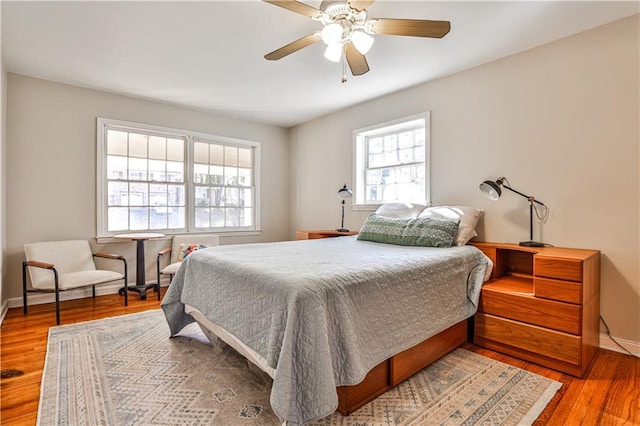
column 342, row 230
column 531, row 244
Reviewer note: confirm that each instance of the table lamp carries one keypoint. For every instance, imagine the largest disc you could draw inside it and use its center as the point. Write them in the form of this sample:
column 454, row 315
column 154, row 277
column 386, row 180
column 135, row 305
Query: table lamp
column 343, row 194
column 492, row 190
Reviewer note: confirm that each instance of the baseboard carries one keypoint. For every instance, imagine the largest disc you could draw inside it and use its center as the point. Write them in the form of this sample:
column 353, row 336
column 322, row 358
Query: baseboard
column 42, row 298
column 630, row 345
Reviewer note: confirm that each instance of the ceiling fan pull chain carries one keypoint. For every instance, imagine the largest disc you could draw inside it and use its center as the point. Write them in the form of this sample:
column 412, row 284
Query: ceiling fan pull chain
column 344, row 64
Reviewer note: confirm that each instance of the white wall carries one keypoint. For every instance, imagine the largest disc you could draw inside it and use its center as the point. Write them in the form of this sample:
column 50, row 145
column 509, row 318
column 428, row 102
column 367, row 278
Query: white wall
column 559, row 121
column 51, row 175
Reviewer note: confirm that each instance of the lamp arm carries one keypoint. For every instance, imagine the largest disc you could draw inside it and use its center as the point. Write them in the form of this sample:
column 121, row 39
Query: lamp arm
column 529, row 197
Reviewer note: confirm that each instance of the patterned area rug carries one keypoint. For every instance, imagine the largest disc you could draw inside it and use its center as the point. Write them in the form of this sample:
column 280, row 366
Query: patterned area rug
column 127, row 371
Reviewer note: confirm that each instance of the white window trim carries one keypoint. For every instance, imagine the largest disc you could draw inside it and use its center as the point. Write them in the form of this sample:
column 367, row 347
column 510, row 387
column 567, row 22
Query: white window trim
column 358, row 169
column 101, row 183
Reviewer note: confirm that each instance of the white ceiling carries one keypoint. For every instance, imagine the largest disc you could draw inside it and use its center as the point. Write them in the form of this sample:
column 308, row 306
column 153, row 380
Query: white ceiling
column 208, row 55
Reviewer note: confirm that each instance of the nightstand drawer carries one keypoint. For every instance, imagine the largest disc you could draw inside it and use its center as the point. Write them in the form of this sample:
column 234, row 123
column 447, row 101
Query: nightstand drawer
column 532, row 310
column 562, row 269
column 525, row 337
column 564, row 291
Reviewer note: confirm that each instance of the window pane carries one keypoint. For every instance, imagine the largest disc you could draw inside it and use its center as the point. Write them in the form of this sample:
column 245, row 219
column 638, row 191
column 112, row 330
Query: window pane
column 200, row 173
column 390, row 158
column 175, row 172
column 118, row 194
column 232, row 217
column 158, row 195
column 217, row 197
column 157, row 147
column 231, row 197
column 373, row 177
column 202, row 196
column 230, row 156
column 116, row 142
column 158, row 218
column 137, row 169
column 175, row 150
column 176, row 217
column 202, row 217
column 373, row 193
column 418, row 153
column 157, row 170
column 406, row 155
column 216, row 175
column 118, row 218
column 217, row 218
column 201, row 153
column 390, row 143
column 116, row 167
column 138, row 218
column 138, row 145
column 244, row 177
column 418, row 136
column 375, row 145
column 246, row 217
column 217, row 155
column 245, row 197
column 375, row 160
column 175, row 195
column 244, row 157
column 231, row 175
column 138, row 194
column 405, row 140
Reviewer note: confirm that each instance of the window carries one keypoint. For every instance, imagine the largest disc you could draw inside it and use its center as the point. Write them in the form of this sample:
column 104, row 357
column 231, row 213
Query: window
column 172, row 181
column 392, row 162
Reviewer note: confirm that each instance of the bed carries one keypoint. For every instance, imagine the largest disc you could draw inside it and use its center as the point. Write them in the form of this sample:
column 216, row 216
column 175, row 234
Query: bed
column 323, row 317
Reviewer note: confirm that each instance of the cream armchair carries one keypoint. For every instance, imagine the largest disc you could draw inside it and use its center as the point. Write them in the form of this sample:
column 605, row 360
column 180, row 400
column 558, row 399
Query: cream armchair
column 175, row 259
column 64, row 265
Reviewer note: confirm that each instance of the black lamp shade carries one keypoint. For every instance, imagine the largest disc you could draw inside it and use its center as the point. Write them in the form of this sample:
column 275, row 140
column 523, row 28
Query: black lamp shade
column 345, row 192
column 491, row 190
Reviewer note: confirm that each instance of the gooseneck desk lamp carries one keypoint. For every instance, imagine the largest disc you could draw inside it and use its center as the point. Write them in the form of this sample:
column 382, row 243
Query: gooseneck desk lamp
column 492, row 190
column 343, row 194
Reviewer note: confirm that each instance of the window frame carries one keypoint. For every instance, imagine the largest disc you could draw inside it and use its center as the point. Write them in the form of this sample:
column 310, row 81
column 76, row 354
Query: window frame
column 190, row 137
column 360, row 156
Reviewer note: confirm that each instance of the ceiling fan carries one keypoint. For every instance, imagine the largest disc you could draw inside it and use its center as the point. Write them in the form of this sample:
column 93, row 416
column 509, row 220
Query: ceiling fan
column 347, row 30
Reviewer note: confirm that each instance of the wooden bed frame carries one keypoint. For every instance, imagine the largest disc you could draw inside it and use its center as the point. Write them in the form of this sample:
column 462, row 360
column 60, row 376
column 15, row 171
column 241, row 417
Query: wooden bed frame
column 400, row 367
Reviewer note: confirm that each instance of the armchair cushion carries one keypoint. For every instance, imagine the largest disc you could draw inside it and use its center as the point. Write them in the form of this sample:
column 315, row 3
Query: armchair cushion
column 66, row 256
column 171, row 269
column 82, row 279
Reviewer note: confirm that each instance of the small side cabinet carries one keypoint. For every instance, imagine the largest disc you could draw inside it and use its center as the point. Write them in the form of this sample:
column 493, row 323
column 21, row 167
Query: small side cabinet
column 541, row 305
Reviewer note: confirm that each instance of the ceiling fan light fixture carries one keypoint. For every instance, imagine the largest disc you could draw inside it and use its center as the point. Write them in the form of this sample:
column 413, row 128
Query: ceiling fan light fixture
column 331, row 33
column 333, row 52
column 362, row 41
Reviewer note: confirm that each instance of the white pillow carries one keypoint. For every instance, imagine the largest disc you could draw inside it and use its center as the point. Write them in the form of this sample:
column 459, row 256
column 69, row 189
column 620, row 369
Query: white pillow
column 400, row 210
column 468, row 217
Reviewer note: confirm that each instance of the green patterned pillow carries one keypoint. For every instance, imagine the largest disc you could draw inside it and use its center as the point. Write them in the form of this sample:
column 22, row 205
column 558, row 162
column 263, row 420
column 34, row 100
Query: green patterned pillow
column 425, row 232
column 428, row 232
column 382, row 229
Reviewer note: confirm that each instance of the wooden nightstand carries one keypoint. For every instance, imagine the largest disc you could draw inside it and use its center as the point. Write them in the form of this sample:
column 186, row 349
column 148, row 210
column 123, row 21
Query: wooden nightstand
column 313, row 235
column 541, row 305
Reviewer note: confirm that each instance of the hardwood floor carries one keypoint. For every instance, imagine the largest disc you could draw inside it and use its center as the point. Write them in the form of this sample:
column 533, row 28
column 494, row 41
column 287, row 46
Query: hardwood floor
column 608, row 395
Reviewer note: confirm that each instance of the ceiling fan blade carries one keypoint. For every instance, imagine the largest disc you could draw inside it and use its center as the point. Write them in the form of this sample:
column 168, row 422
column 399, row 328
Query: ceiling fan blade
column 296, row 6
column 292, row 47
column 410, row 27
column 360, row 5
column 357, row 61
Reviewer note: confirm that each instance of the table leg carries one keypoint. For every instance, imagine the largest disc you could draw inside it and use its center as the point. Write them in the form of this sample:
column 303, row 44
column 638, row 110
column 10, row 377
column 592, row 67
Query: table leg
column 141, row 285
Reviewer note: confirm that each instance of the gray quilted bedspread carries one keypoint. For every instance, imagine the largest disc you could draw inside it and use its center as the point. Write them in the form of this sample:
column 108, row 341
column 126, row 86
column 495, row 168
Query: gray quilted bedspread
column 324, row 312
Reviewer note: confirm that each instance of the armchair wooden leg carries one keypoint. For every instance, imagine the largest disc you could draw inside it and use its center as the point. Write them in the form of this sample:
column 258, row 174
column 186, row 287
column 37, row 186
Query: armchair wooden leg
column 158, row 274
column 93, row 291
column 57, row 290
